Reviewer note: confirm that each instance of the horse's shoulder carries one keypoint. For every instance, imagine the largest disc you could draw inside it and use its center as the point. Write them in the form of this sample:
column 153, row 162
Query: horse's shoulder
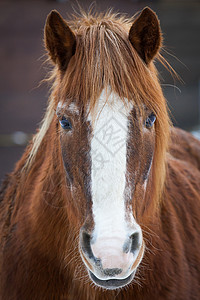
column 183, row 167
column 182, row 193
column 185, row 147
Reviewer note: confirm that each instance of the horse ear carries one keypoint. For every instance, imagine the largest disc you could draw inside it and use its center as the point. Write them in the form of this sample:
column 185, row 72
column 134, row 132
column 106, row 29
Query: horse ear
column 59, row 40
column 145, row 35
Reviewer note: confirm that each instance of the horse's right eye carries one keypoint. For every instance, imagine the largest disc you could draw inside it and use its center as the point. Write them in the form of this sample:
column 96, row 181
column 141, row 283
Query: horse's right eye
column 65, row 124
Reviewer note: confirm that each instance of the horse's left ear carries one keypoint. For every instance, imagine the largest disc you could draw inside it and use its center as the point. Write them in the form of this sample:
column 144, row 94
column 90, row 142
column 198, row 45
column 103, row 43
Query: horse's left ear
column 59, row 40
column 145, row 35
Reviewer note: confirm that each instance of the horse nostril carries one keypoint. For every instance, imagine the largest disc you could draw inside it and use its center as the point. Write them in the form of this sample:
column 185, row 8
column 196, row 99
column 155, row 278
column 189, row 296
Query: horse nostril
column 134, row 241
column 85, row 244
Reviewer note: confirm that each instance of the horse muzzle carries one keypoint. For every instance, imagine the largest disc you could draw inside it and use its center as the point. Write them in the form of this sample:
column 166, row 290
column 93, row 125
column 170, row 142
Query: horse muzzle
column 111, row 261
column 112, row 284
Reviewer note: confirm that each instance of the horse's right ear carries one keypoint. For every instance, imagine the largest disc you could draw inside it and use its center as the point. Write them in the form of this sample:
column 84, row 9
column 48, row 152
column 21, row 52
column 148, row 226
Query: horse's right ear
column 59, row 39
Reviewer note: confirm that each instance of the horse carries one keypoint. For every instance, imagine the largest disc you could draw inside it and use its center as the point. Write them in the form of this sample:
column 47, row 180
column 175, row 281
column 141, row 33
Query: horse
column 105, row 201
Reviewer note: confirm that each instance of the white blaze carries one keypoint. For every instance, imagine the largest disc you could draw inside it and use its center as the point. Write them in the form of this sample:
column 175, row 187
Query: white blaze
column 108, row 174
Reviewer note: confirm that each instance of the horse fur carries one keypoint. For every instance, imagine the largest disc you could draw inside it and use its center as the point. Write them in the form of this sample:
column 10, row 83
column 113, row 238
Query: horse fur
column 39, row 221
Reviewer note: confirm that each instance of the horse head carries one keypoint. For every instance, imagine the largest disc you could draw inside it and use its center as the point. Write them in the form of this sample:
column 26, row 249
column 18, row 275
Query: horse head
column 109, row 121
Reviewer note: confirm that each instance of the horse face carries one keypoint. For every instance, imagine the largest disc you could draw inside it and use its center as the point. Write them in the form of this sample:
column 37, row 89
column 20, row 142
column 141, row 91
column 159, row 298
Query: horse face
column 107, row 156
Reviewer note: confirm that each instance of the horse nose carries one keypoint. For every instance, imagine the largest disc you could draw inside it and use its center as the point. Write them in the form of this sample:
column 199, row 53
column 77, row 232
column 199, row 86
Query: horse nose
column 113, row 255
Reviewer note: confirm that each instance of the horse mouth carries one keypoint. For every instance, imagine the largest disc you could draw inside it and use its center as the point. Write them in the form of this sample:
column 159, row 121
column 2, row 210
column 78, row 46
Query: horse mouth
column 112, row 284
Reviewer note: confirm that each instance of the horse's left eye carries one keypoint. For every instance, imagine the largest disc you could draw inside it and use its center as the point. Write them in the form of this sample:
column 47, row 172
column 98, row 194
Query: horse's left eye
column 65, row 124
column 150, row 120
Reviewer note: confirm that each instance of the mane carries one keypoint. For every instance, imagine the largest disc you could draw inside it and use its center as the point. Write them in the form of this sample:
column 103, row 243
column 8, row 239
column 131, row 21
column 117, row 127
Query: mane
column 105, row 58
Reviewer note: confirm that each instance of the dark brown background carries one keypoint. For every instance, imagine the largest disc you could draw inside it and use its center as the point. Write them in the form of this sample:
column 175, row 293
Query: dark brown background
column 22, row 102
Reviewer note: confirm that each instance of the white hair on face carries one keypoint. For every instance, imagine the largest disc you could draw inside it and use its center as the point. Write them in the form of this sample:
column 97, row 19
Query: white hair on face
column 73, row 108
column 108, row 177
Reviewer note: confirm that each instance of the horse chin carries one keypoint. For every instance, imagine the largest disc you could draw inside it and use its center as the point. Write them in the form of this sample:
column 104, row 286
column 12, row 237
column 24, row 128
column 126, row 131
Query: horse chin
column 112, row 284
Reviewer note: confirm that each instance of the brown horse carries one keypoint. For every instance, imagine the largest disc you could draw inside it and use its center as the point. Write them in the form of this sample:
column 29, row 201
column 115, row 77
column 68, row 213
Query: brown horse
column 105, row 202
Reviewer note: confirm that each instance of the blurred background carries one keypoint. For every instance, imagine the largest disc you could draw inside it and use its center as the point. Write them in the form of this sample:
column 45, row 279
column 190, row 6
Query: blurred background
column 23, row 102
